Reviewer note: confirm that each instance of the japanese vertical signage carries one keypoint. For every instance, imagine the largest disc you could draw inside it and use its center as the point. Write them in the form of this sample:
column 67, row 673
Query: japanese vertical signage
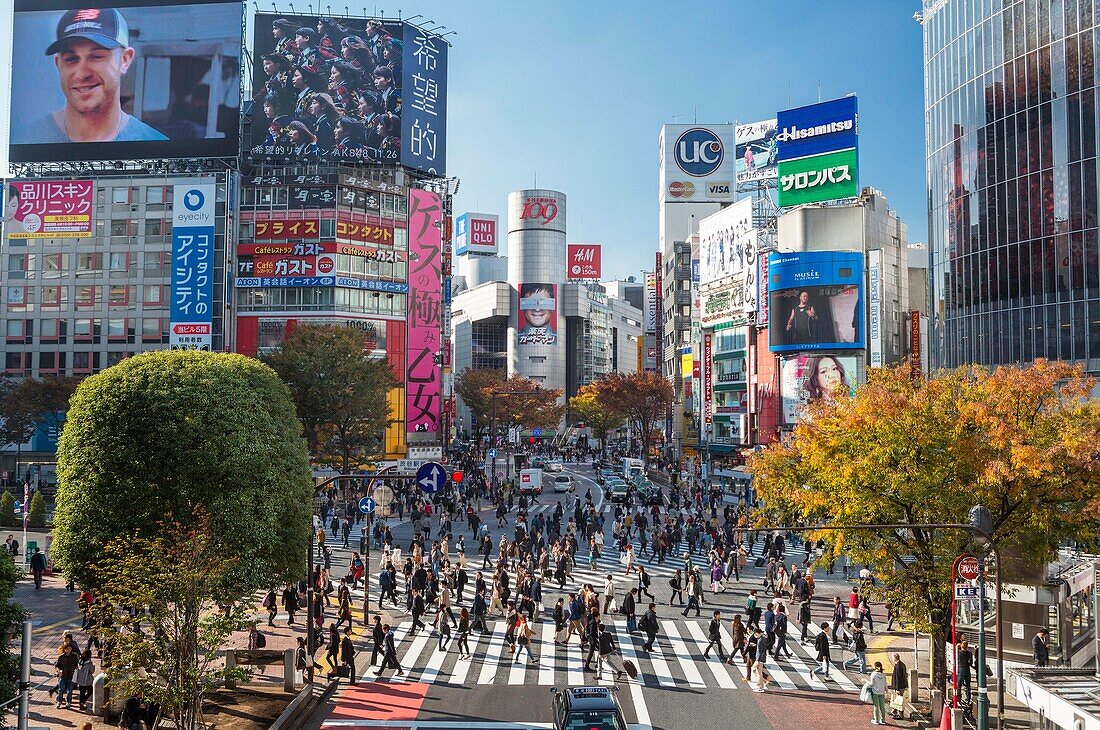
column 422, row 373
column 874, row 304
column 583, row 261
column 659, row 304
column 192, row 264
column 424, row 103
column 762, row 293
column 914, row 345
column 708, row 387
column 49, row 209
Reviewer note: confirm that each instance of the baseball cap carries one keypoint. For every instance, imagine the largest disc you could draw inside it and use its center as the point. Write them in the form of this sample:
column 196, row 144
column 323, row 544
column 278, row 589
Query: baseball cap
column 103, row 26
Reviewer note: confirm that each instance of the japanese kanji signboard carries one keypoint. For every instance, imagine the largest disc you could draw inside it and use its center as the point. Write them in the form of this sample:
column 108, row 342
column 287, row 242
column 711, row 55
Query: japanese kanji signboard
column 422, row 374
column 192, row 303
column 424, row 103
column 49, row 209
column 362, row 232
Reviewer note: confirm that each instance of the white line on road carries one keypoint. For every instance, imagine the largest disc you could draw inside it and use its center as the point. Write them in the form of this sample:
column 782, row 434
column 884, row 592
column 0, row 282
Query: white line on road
column 626, row 643
column 492, row 654
column 687, row 662
column 713, row 662
column 546, row 655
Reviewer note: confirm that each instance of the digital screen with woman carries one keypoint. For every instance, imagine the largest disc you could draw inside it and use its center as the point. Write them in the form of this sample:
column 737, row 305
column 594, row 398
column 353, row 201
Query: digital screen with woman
column 807, row 378
column 815, row 300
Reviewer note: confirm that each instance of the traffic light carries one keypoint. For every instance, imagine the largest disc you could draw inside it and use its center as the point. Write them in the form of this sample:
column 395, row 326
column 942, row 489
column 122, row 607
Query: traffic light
column 456, row 477
column 531, row 440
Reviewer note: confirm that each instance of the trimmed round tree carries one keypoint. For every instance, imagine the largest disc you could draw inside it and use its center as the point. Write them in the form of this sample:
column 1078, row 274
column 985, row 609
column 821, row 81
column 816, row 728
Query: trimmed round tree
column 186, row 438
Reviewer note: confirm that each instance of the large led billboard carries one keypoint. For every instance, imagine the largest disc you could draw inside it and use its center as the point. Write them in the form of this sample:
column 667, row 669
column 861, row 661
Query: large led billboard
column 126, row 80
column 818, row 152
column 815, row 301
column 348, row 90
column 757, row 151
column 808, row 378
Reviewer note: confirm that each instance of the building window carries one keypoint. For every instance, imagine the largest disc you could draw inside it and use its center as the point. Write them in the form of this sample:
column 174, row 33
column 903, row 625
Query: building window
column 88, row 296
column 120, row 196
column 120, row 262
column 120, row 228
column 116, row 329
column 89, row 264
column 47, row 361
column 82, row 362
column 48, row 328
column 114, row 358
column 119, row 295
column 17, row 266
column 152, row 294
column 154, row 194
column 53, row 266
column 150, row 329
column 13, row 362
column 154, row 227
column 14, row 328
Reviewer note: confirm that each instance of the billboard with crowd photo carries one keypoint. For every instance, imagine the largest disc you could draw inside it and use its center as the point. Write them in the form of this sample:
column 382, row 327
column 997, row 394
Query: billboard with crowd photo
column 146, row 79
column 815, row 301
column 350, row 90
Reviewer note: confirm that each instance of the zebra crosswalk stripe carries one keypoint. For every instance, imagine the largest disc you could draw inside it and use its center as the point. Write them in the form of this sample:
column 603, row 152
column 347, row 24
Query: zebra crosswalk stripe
column 713, row 662
column 547, row 654
column 462, row 666
column 683, row 656
column 835, row 673
column 492, row 654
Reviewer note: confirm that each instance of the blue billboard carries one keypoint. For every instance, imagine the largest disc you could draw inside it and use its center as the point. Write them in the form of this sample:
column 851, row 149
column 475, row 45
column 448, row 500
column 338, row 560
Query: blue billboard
column 828, row 126
column 424, row 106
column 815, row 301
column 192, row 306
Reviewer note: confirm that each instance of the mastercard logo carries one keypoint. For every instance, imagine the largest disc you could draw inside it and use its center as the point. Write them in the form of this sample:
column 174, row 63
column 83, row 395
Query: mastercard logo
column 681, row 189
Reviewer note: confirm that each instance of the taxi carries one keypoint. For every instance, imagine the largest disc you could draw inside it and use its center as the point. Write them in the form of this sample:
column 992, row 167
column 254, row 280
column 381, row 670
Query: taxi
column 587, row 708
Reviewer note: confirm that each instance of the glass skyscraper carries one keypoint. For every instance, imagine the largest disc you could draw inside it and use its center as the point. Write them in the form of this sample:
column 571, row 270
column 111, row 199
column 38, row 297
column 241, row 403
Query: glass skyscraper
column 1011, row 114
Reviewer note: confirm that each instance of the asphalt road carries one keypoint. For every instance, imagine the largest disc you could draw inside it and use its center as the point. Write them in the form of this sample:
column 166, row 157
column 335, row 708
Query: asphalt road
column 676, row 688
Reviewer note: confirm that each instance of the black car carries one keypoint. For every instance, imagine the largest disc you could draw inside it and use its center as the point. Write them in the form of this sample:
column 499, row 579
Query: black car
column 587, row 708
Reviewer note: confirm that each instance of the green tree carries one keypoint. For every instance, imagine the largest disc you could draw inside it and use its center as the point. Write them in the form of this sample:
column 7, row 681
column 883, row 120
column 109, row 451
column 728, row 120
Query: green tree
column 168, row 653
column 642, row 398
column 7, row 509
column 475, row 386
column 37, row 515
column 166, row 433
column 586, row 407
column 11, row 616
column 1020, row 441
column 16, row 416
column 340, row 392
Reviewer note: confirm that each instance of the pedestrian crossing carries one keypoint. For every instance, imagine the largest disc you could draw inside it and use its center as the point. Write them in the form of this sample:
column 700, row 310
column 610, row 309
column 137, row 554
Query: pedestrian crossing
column 677, row 662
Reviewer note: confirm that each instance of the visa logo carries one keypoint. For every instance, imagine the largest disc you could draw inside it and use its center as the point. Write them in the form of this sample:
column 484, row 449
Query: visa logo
column 718, row 190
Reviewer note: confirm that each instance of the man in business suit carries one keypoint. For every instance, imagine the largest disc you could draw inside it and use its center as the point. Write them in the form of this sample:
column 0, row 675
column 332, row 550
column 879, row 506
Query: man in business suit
column 389, row 657
column 347, row 655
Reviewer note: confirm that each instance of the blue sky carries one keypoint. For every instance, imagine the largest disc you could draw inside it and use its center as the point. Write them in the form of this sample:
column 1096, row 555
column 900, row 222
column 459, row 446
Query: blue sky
column 575, row 93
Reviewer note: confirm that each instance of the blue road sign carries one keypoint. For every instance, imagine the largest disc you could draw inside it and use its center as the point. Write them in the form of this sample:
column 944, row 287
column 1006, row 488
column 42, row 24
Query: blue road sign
column 536, row 432
column 367, row 505
column 492, row 453
column 431, row 477
column 18, row 506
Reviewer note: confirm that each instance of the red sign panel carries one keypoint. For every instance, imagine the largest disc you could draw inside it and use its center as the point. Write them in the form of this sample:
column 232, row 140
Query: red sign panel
column 584, row 261
column 361, row 232
column 969, row 569
column 271, row 230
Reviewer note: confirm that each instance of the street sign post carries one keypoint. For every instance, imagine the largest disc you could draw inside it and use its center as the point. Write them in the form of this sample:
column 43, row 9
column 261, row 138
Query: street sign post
column 367, row 505
column 431, row 477
column 969, row 568
column 492, row 453
column 964, row 591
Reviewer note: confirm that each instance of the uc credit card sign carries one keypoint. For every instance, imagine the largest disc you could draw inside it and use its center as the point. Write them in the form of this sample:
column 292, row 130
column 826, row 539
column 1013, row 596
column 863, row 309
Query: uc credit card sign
column 192, row 310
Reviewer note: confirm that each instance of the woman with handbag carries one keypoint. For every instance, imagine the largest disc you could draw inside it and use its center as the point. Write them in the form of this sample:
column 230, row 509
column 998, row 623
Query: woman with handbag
column 874, row 691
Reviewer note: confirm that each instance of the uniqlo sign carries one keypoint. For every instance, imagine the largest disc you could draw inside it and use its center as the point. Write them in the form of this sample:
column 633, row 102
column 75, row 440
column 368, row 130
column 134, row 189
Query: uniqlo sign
column 584, row 261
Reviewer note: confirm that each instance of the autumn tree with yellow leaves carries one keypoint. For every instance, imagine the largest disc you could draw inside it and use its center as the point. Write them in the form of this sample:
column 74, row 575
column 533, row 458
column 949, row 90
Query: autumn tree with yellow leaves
column 1022, row 441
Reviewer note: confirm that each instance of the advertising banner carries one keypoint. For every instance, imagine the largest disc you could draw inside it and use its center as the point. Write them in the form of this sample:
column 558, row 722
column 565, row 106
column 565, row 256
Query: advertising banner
column 757, row 151
column 827, row 126
column 660, row 330
column 583, row 261
column 348, row 282
column 537, row 319
column 476, row 233
column 49, row 209
column 874, row 307
column 697, row 162
column 708, row 377
column 312, row 198
column 192, row 307
column 362, row 232
column 348, row 90
column 422, row 374
column 718, row 308
column 915, row 367
column 323, row 265
column 384, row 255
column 817, row 300
column 762, row 292
column 280, row 229
column 727, row 244
column 123, row 81
column 806, row 378
column 650, row 302
column 828, row 176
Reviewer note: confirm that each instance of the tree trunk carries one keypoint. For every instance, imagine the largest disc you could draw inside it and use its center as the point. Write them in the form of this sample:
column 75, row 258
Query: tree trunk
column 939, row 678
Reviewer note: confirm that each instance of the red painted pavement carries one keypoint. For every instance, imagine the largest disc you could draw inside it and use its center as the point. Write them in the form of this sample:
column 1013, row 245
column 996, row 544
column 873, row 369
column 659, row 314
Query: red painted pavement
column 824, row 710
column 380, row 701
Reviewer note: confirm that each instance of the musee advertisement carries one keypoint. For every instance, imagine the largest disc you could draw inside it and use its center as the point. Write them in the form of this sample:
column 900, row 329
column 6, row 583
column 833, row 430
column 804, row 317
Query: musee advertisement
column 816, row 301
column 105, row 81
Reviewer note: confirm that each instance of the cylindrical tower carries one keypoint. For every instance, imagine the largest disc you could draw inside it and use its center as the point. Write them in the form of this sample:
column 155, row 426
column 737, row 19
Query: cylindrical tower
column 536, row 272
column 1011, row 130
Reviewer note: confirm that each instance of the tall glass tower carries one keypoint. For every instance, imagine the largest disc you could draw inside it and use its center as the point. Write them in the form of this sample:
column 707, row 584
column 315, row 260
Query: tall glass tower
column 1011, row 135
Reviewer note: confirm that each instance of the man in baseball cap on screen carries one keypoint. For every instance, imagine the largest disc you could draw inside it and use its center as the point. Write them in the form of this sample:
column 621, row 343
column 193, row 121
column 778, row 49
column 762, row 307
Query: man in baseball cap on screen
column 92, row 53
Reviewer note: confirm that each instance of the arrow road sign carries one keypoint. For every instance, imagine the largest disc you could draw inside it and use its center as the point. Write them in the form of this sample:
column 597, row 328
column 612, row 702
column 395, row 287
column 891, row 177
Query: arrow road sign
column 536, row 432
column 492, row 453
column 431, row 477
column 366, row 505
